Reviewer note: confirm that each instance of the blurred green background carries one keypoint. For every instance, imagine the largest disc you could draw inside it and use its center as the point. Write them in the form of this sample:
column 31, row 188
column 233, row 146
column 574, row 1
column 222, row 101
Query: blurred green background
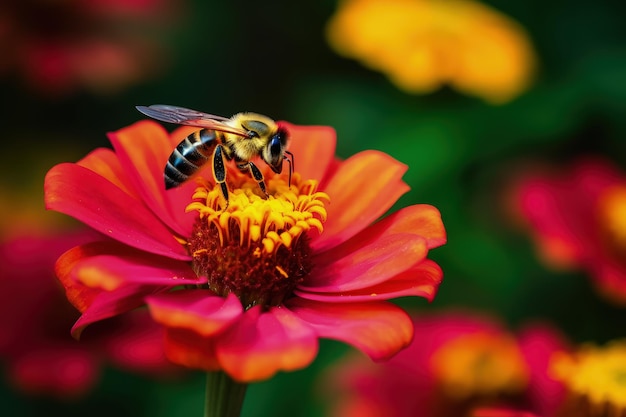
column 273, row 58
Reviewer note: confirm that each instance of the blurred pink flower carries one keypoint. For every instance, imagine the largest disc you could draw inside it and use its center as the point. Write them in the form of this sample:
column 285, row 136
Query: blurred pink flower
column 456, row 363
column 592, row 378
column 102, row 46
column 576, row 217
column 38, row 351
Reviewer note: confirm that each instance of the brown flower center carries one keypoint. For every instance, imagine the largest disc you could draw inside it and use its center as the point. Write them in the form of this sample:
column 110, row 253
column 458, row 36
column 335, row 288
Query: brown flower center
column 257, row 248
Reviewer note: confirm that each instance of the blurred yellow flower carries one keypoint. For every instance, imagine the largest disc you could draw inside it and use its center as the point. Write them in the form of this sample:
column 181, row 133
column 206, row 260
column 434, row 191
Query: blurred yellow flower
column 422, row 44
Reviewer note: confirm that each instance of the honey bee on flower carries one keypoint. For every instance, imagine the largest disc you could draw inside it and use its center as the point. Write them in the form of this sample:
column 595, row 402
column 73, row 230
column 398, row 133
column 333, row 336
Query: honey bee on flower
column 240, row 138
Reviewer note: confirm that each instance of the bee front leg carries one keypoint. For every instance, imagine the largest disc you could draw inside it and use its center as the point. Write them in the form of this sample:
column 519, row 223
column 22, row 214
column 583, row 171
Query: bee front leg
column 219, row 171
column 255, row 172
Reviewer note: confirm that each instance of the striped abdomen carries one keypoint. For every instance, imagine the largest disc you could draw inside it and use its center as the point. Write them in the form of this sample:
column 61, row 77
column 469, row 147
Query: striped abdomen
column 189, row 156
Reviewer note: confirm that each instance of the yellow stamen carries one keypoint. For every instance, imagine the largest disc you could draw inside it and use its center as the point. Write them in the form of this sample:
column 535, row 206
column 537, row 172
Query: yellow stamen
column 256, row 246
column 597, row 374
column 480, row 365
column 282, row 271
column 274, row 221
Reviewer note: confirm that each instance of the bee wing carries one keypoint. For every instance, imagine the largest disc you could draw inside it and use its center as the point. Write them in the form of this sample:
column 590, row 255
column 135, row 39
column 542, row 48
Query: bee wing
column 183, row 116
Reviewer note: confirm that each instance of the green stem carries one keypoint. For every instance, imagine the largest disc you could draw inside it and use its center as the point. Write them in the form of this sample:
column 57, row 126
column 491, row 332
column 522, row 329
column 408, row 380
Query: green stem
column 224, row 396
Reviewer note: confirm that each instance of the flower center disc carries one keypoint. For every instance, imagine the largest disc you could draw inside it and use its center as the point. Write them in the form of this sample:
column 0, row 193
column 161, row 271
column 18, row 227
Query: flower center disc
column 257, row 247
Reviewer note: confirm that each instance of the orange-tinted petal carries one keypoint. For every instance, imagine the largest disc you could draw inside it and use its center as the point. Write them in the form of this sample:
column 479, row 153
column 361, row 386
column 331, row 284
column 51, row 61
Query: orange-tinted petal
column 69, row 189
column 420, row 281
column 104, row 162
column 421, row 219
column 313, row 148
column 363, row 188
column 380, row 329
column 263, row 343
column 188, row 348
column 197, row 310
column 78, row 294
column 348, row 268
column 143, row 149
column 109, row 265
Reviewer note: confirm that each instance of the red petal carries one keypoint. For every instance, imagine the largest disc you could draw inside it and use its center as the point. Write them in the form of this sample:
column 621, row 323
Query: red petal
column 421, row 281
column 198, row 310
column 361, row 264
column 110, row 304
column 313, row 148
column 143, row 149
column 109, row 265
column 188, row 348
column 69, row 189
column 261, row 344
column 363, row 188
column 380, row 329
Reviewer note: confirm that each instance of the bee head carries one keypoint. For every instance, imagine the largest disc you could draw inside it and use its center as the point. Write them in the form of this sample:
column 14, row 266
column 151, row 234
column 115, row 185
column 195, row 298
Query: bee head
column 274, row 152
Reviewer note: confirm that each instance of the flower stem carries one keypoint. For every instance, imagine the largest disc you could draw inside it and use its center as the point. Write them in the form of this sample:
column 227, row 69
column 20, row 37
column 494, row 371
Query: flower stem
column 224, row 396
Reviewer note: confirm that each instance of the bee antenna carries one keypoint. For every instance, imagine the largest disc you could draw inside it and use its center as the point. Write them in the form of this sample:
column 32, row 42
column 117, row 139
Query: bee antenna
column 292, row 165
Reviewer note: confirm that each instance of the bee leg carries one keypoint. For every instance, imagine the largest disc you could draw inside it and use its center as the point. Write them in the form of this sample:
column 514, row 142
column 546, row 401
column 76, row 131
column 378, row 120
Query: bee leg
column 258, row 176
column 219, row 171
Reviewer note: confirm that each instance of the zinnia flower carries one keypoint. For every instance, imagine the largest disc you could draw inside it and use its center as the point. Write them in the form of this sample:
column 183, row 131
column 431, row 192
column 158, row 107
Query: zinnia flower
column 422, row 45
column 461, row 361
column 592, row 379
column 39, row 354
column 576, row 216
column 250, row 288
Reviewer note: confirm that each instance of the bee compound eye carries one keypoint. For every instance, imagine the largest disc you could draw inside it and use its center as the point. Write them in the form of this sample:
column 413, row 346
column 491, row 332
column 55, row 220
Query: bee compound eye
column 276, row 147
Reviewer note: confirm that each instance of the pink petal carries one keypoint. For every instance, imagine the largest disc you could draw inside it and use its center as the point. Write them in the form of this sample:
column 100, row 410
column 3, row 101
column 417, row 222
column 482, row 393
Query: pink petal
column 109, row 265
column 143, row 149
column 104, row 162
column 363, row 188
column 313, row 148
column 538, row 342
column 420, row 281
column 261, row 344
column 69, row 189
column 500, row 412
column 110, row 304
column 378, row 328
column 350, row 267
column 198, row 310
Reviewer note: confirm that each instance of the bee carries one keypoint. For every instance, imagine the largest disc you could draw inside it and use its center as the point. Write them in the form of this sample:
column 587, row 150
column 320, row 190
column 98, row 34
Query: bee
column 239, row 138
